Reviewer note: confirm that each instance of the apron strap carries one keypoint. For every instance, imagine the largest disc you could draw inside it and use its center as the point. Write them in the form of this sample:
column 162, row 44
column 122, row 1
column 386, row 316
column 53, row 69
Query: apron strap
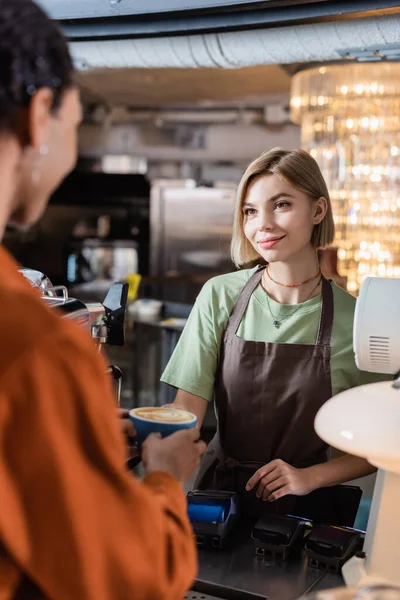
column 326, row 316
column 241, row 304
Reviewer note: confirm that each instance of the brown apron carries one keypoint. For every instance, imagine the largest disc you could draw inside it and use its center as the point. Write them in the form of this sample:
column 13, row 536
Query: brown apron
column 267, row 396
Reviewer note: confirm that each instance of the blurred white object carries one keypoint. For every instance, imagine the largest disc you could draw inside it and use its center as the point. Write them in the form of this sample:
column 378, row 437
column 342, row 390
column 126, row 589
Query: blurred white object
column 365, row 593
column 146, row 308
column 377, row 326
column 365, row 421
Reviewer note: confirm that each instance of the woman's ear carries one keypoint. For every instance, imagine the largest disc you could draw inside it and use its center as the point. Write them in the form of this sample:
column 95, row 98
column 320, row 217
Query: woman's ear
column 39, row 118
column 320, row 210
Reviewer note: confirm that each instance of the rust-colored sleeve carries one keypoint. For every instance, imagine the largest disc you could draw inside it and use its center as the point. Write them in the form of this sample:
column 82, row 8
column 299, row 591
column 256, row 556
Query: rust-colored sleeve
column 71, row 519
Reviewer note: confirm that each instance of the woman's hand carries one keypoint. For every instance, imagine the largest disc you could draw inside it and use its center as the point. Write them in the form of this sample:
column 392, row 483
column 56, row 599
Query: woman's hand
column 278, row 479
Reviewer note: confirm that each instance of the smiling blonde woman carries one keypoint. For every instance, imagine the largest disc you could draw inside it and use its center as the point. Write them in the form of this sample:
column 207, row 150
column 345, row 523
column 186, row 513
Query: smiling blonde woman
column 270, row 344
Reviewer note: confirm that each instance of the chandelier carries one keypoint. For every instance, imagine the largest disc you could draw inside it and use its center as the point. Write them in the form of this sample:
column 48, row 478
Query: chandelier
column 350, row 123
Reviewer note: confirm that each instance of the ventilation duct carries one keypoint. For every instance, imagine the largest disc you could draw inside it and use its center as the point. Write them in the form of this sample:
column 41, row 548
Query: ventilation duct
column 117, row 19
column 318, row 42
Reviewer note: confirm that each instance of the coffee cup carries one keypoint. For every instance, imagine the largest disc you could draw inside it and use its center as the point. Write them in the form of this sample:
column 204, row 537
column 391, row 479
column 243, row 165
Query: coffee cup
column 157, row 419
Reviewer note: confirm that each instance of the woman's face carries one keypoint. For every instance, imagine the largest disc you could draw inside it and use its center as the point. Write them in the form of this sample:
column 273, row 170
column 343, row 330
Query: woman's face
column 52, row 156
column 279, row 219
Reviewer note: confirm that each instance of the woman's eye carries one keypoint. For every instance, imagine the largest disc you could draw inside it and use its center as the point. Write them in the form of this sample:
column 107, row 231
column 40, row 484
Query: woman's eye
column 282, row 204
column 249, row 212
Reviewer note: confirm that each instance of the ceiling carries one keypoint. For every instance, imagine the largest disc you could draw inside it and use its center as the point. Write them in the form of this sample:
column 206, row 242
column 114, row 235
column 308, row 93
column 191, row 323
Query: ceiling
column 173, row 87
column 179, row 72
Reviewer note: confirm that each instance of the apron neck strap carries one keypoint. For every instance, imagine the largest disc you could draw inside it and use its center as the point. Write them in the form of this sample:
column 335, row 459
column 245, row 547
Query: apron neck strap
column 326, row 316
column 241, row 304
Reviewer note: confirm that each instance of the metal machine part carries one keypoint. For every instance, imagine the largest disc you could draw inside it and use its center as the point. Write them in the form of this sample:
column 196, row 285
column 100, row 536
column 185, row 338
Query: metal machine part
column 186, row 247
column 104, row 321
column 183, row 240
column 39, row 280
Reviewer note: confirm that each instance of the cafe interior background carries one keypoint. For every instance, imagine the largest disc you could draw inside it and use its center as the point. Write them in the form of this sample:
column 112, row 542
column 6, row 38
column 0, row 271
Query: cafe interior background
column 177, row 101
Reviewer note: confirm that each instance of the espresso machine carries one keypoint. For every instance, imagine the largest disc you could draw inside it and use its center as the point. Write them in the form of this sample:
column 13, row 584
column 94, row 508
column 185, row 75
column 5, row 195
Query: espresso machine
column 104, row 321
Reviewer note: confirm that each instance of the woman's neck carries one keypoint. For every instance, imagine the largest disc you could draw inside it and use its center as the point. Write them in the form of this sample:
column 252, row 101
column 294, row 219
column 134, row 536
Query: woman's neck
column 9, row 158
column 304, row 266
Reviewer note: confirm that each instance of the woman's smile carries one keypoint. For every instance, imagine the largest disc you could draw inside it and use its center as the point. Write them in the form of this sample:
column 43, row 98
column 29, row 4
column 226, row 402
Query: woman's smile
column 269, row 242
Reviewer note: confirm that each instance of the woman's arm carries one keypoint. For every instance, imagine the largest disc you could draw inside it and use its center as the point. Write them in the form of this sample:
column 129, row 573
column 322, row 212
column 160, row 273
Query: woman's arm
column 192, row 403
column 339, row 470
column 278, row 479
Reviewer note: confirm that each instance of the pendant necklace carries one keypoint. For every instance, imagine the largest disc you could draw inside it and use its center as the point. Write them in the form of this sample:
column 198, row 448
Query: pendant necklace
column 278, row 322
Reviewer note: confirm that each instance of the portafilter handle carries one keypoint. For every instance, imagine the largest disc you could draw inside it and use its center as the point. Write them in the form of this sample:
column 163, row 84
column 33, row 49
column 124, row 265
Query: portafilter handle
column 116, row 375
column 114, row 319
column 112, row 328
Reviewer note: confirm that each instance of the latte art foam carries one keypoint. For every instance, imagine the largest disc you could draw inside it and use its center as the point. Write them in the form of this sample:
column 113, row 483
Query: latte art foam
column 163, row 415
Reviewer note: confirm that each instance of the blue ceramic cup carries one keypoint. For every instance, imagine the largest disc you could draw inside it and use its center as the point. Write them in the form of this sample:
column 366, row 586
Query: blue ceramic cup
column 156, row 419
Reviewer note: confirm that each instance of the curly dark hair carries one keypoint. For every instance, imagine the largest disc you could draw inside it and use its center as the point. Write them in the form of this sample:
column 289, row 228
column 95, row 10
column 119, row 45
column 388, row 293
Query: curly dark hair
column 33, row 54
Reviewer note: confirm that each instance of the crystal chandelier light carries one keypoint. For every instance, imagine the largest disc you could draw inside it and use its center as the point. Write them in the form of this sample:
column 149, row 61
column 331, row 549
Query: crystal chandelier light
column 350, row 123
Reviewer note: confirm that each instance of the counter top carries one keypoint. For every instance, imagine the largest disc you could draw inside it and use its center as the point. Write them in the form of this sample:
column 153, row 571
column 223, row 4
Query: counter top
column 236, row 573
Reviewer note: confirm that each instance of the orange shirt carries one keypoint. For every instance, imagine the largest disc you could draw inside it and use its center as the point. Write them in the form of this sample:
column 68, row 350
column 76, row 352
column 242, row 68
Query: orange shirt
column 73, row 524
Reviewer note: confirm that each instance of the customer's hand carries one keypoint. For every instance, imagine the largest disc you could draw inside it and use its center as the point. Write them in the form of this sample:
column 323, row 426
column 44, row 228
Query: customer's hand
column 178, row 454
column 127, row 427
column 128, row 431
column 278, row 479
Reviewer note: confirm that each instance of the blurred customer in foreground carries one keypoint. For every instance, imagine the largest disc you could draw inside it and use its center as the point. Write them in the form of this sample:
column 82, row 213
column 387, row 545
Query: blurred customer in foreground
column 73, row 524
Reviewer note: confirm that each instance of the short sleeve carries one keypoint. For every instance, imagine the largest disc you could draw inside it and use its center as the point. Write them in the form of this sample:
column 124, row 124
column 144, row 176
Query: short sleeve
column 193, row 364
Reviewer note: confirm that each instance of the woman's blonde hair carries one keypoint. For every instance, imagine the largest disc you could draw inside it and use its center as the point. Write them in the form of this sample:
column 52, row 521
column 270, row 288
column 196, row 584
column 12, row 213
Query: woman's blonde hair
column 299, row 169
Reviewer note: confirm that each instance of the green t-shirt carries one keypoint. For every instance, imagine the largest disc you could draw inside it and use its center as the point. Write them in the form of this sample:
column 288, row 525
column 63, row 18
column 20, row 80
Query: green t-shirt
column 193, row 364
